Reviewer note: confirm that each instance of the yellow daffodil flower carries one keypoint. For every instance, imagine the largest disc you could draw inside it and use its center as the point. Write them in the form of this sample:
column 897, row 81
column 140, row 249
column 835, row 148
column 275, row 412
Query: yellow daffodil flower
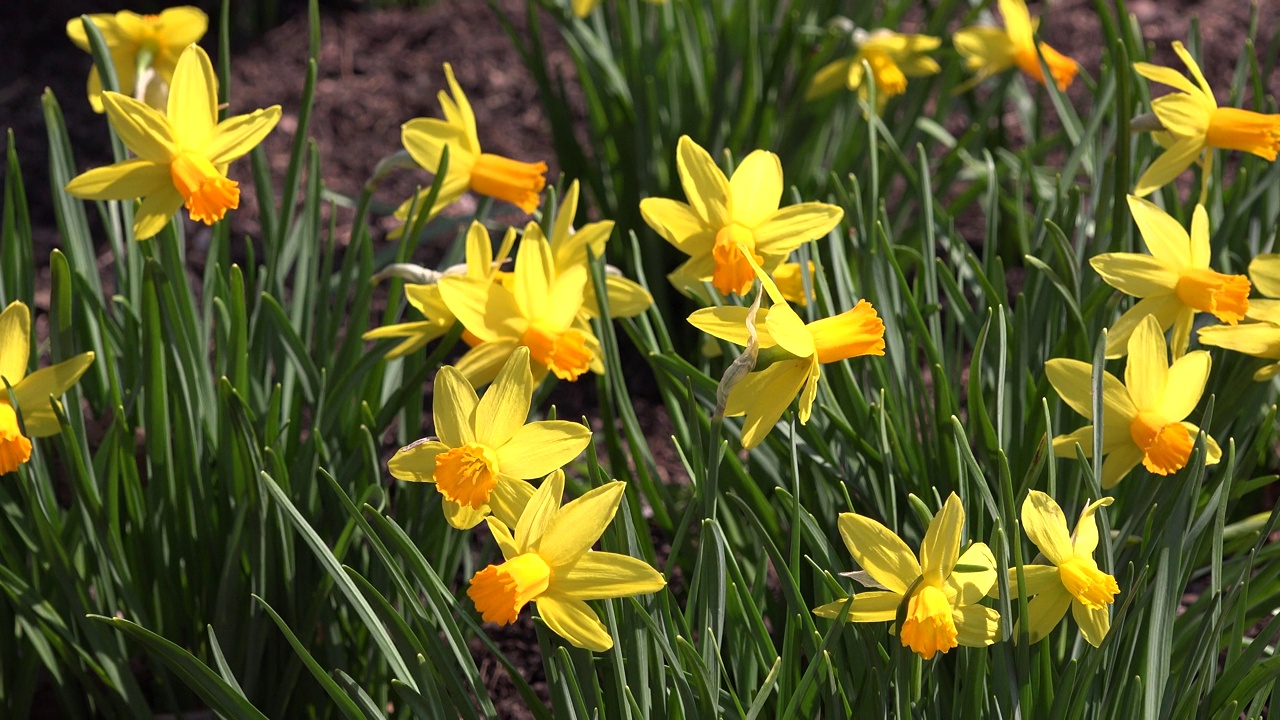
column 790, row 281
column 535, row 307
column 518, row 183
column 893, row 58
column 941, row 591
column 182, row 157
column 549, row 561
column 1197, row 125
column 627, row 298
column 583, row 8
column 484, row 451
column 1174, row 281
column 724, row 215
column 31, row 391
column 1072, row 579
column 144, row 49
column 796, row 351
column 1143, row 416
column 1260, row 339
column 426, row 299
column 990, row 51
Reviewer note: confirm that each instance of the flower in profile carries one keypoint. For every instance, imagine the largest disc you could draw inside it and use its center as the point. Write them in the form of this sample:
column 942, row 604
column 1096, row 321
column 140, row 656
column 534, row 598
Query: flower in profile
column 726, row 215
column 425, row 296
column 990, row 51
column 1260, row 339
column 893, row 57
column 518, row 183
column 1142, row 418
column 1072, row 579
column 790, row 351
column 31, row 391
column 940, row 592
column 534, row 307
column 549, row 561
column 1175, row 281
column 1196, row 125
column 144, row 50
column 627, row 298
column 182, row 156
column 484, row 451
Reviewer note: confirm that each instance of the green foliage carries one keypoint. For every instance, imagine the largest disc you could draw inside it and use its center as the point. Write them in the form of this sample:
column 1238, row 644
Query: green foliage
column 217, row 528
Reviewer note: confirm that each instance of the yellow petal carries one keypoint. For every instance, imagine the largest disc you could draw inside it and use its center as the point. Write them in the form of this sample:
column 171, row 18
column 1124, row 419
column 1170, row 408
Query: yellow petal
column 543, row 506
column 155, row 212
column 627, row 298
column 1046, row 526
column 579, row 524
column 540, row 447
column 1183, row 115
column 1118, row 464
column 105, row 23
column 678, row 224
column 143, row 129
column 1134, row 274
column 985, row 49
column 1264, row 310
column 755, row 189
column 453, row 402
column 1171, row 163
column 729, row 322
column 416, row 334
column 1085, row 539
column 1264, row 272
column 1165, row 309
column 830, row 78
column 572, row 249
column 15, row 343
column 463, row 517
column 502, row 536
column 870, row 606
column 484, row 307
column 1194, row 67
column 1039, row 579
column 1256, row 339
column 236, row 136
column 941, row 545
column 602, row 575
column 426, row 138
column 968, row 586
column 480, row 364
column 764, row 396
column 183, row 25
column 125, row 180
column 563, row 300
column 976, row 626
column 505, row 405
column 458, row 110
column 193, row 98
column 1147, row 371
column 509, row 499
column 1163, row 236
column 1017, row 22
column 705, row 186
column 1073, row 381
column 34, row 390
column 789, row 332
column 1044, row 612
column 574, row 621
column 1166, row 76
column 793, row 226
column 1094, row 624
column 1212, row 452
column 879, row 551
column 416, row 462
column 1065, row 445
column 1186, row 381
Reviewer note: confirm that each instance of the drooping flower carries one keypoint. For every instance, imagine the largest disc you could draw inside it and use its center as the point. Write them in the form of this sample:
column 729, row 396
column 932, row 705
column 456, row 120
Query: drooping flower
column 941, row 590
column 518, row 183
column 549, row 561
column 144, row 50
column 1071, row 580
column 1174, row 281
column 425, row 296
column 724, row 215
column 484, row 451
column 990, row 51
column 627, row 298
column 182, row 156
column 1142, row 418
column 31, row 391
column 534, row 307
column 1197, row 126
column 893, row 58
column 792, row 350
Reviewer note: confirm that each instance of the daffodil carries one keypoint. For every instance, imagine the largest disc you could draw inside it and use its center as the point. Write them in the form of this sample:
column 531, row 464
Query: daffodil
column 790, row 281
column 990, row 51
column 425, row 296
column 535, row 307
column 1197, row 125
column 549, row 561
column 144, row 49
column 1175, row 281
column 627, row 298
column 583, row 8
column 182, row 157
column 1142, row 418
column 31, row 391
column 1258, row 339
column 1072, row 579
column 518, row 183
column 794, row 352
column 724, row 215
column 484, row 451
column 940, row 592
column 893, row 57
